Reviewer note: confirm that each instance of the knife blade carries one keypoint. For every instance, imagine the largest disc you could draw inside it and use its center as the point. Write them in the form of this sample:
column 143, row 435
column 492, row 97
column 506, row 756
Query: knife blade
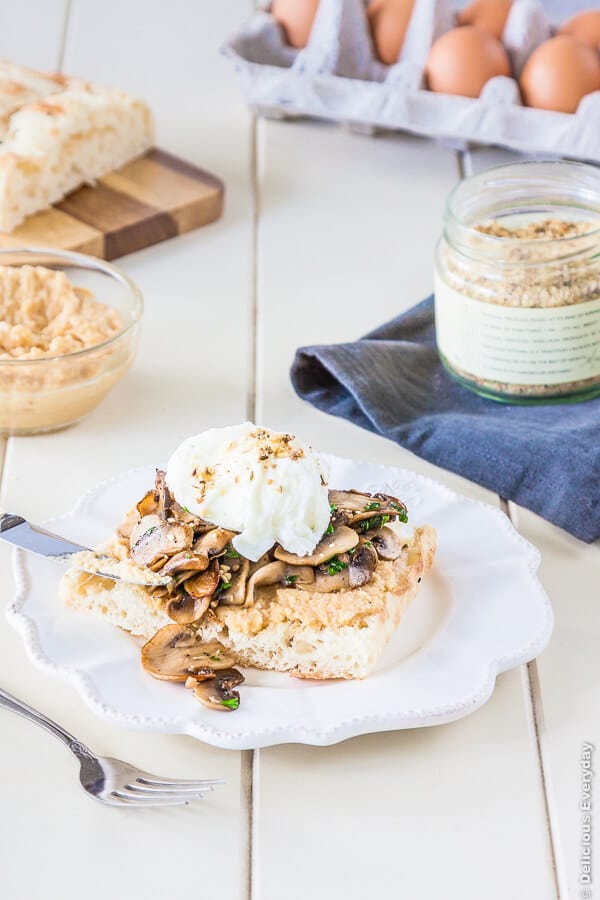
column 18, row 531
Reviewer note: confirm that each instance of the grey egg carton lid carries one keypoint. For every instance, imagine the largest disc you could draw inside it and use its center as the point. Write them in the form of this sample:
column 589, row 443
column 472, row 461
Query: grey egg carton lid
column 338, row 77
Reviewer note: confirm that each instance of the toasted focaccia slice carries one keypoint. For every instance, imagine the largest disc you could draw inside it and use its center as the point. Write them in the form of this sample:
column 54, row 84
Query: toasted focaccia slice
column 70, row 138
column 287, row 629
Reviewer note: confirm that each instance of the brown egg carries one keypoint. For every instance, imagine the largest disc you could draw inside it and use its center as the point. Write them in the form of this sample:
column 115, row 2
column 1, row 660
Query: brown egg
column 559, row 73
column 296, row 19
column 388, row 20
column 462, row 60
column 487, row 15
column 585, row 26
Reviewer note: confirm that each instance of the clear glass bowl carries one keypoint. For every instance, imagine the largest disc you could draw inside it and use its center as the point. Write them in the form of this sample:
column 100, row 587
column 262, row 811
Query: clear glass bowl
column 46, row 394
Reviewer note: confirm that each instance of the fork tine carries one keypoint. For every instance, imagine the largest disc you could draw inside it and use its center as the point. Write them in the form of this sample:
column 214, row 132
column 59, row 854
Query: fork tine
column 169, row 787
column 124, row 799
column 148, row 779
column 134, row 790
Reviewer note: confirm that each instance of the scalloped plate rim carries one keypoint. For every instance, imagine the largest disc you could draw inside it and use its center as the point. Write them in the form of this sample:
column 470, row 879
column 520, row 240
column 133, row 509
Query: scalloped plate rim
column 270, row 736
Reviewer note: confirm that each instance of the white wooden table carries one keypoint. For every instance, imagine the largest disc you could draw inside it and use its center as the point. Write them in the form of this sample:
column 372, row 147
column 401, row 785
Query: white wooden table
column 326, row 234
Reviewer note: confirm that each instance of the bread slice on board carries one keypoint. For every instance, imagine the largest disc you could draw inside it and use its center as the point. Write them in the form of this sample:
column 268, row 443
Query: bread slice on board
column 20, row 86
column 58, row 133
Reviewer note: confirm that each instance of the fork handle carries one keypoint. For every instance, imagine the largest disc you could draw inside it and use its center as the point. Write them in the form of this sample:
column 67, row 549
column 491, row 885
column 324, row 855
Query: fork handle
column 7, row 701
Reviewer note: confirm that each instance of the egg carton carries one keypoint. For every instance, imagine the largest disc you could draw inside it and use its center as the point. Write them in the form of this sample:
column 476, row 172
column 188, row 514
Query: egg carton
column 338, row 77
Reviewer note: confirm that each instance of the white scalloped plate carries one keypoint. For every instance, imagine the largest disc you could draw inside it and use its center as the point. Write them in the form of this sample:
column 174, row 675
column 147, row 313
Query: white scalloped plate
column 480, row 611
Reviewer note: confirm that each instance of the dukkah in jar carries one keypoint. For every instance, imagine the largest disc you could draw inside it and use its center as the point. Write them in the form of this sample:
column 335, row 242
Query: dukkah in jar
column 517, row 283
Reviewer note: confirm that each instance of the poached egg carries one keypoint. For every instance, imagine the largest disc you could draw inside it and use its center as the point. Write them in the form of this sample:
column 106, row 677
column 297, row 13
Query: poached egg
column 265, row 485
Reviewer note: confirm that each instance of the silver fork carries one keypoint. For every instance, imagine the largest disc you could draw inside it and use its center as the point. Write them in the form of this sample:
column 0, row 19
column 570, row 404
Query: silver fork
column 111, row 780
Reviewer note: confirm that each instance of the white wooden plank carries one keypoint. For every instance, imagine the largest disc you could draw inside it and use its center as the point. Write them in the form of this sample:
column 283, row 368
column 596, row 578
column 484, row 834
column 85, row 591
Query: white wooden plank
column 189, row 375
column 567, row 694
column 347, row 231
column 346, row 237
column 569, row 685
column 175, row 66
column 31, row 32
column 424, row 813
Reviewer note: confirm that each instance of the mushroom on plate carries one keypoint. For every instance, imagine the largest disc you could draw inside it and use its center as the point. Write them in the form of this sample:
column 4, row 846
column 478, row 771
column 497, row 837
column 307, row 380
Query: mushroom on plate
column 205, row 572
column 270, row 574
column 187, row 518
column 298, row 576
column 148, row 504
column 234, row 594
column 163, row 494
column 185, row 562
column 175, row 652
column 355, row 507
column 213, row 542
column 194, row 599
column 218, row 692
column 152, row 538
column 341, row 540
column 346, row 571
column 388, row 544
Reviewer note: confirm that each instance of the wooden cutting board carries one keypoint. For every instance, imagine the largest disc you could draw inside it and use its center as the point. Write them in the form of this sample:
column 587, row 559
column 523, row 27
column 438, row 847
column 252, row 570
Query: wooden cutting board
column 151, row 199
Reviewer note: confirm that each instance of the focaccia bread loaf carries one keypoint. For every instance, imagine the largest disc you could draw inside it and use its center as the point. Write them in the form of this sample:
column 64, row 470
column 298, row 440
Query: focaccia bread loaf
column 310, row 635
column 20, row 86
column 58, row 133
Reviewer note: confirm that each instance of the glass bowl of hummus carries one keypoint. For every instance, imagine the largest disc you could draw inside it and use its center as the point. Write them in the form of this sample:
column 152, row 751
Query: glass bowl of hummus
column 69, row 328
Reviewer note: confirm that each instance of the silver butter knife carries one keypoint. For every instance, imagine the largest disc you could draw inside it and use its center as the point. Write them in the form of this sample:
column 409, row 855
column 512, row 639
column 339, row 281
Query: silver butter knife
column 18, row 531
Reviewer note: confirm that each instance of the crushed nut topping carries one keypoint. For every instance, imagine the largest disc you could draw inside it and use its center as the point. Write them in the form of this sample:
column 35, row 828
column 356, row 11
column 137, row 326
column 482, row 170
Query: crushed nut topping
column 548, row 228
column 275, row 445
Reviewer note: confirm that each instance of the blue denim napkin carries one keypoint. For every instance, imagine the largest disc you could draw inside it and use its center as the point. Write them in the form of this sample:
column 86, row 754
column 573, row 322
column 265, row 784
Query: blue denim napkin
column 546, row 458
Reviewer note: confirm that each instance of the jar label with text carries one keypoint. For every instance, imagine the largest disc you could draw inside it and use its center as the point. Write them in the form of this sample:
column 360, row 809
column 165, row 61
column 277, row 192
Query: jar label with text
column 515, row 344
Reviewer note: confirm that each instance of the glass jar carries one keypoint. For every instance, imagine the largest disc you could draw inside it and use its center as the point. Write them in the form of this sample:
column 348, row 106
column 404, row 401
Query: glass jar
column 517, row 283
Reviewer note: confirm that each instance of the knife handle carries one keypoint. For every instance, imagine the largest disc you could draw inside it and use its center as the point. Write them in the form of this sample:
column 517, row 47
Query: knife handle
column 10, row 520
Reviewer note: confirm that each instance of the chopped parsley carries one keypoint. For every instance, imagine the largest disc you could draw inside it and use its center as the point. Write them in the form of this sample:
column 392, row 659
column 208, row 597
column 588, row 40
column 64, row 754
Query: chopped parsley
column 216, row 657
column 188, row 555
column 368, row 543
column 401, row 510
column 224, row 585
column 232, row 703
column 371, row 506
column 374, row 522
column 150, row 530
column 290, row 580
column 230, row 553
column 330, row 529
column 185, row 509
column 332, row 508
column 335, row 565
